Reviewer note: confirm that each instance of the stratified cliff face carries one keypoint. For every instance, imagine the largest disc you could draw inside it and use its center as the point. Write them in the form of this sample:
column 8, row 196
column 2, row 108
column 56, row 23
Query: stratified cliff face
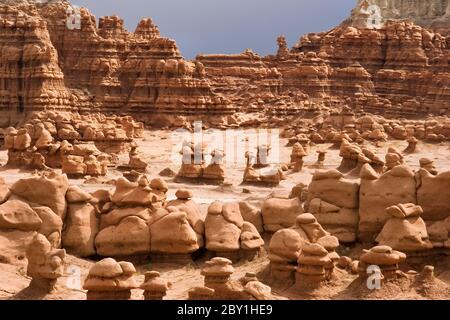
column 30, row 77
column 138, row 72
column 105, row 68
column 433, row 14
column 401, row 62
column 396, row 68
column 241, row 77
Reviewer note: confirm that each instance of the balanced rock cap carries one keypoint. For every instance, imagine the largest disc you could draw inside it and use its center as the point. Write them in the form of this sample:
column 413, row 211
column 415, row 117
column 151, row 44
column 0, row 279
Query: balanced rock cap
column 329, row 242
column 106, row 268
column 11, row 131
column 215, row 208
column 218, row 266
column 314, row 249
column 381, row 249
column 159, row 184
column 306, row 218
column 184, row 194
column 425, row 161
column 392, row 157
column 154, row 283
column 127, row 268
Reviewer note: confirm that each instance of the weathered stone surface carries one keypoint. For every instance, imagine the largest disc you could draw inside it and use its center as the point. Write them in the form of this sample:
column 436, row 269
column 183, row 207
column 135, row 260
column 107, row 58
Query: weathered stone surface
column 13, row 246
column 405, row 232
column 172, row 234
column 47, row 190
column 110, row 280
column 193, row 213
column 433, row 14
column 221, row 235
column 280, row 213
column 252, row 214
column 45, row 264
column 334, row 189
column 15, row 214
column 129, row 193
column 250, row 238
column 433, row 195
column 51, row 226
column 396, row 186
column 4, row 191
column 130, row 236
column 81, row 228
column 76, row 195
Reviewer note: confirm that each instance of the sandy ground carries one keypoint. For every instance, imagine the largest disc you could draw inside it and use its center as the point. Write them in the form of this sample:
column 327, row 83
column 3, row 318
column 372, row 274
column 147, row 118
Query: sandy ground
column 157, row 148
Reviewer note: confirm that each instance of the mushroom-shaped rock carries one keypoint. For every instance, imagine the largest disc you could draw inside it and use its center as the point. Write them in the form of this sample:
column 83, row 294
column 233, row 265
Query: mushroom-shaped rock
column 110, row 280
column 154, row 287
column 405, row 230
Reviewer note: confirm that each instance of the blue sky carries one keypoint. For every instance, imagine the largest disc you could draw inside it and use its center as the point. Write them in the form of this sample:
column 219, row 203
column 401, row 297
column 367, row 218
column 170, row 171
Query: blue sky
column 227, row 26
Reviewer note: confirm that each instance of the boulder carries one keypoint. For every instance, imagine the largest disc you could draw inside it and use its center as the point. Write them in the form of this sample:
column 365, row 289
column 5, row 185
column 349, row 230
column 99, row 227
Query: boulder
column 405, row 230
column 332, row 188
column 252, row 214
column 115, row 216
column 76, row 195
column 45, row 265
column 18, row 215
column 220, row 232
column 174, row 235
column 81, row 229
column 4, row 191
column 193, row 212
column 280, row 213
column 232, row 213
column 129, row 193
column 46, row 190
column 286, row 244
column 250, row 237
column 131, row 236
column 51, row 226
column 106, row 268
column 184, row 194
column 110, row 280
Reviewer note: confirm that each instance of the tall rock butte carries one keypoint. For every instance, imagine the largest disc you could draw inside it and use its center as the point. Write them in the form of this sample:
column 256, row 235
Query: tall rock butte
column 400, row 67
column 45, row 65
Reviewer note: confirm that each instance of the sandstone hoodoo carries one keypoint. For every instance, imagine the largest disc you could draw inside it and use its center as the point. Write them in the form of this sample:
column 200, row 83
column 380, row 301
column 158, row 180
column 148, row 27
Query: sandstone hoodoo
column 219, row 286
column 384, row 258
column 129, row 172
column 45, row 265
column 110, row 280
column 405, row 230
column 194, row 167
column 154, row 287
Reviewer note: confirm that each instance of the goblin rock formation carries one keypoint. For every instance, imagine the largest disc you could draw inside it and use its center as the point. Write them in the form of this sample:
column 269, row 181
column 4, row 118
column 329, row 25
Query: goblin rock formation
column 219, row 286
column 364, row 115
column 104, row 68
column 110, row 280
column 45, row 265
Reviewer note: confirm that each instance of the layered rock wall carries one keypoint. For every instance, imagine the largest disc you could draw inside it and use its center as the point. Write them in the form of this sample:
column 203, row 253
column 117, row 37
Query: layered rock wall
column 46, row 65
